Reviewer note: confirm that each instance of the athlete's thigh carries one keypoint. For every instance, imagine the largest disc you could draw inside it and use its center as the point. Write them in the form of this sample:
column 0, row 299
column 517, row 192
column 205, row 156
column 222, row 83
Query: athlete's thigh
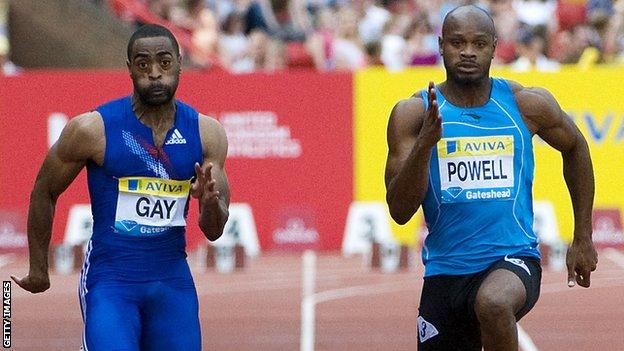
column 112, row 319
column 171, row 319
column 438, row 327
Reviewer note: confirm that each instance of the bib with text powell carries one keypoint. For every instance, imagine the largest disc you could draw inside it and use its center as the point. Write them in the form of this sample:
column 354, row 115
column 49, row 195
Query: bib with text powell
column 476, row 168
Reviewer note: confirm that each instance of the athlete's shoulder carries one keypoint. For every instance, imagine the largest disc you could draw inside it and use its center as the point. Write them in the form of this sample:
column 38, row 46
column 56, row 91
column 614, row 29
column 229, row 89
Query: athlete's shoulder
column 537, row 104
column 86, row 125
column 83, row 137
column 408, row 109
column 531, row 98
column 213, row 136
column 535, row 95
column 210, row 124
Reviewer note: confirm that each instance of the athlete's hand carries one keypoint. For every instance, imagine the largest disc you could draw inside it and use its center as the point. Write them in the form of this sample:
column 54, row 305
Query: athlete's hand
column 203, row 188
column 581, row 260
column 431, row 131
column 35, row 283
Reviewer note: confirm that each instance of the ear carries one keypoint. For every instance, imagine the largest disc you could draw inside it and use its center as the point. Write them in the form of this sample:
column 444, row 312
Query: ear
column 440, row 44
column 494, row 44
column 128, row 64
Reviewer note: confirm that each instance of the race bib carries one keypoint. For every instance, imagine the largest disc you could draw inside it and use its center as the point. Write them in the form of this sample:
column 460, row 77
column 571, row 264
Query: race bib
column 150, row 205
column 476, row 168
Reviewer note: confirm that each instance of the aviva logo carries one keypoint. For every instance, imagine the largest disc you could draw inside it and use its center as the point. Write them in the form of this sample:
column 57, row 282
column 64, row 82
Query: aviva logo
column 476, row 146
column 600, row 128
column 154, row 186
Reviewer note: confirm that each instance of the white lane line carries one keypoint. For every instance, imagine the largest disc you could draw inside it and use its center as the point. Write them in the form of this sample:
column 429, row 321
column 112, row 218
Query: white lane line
column 524, row 340
column 277, row 283
column 360, row 290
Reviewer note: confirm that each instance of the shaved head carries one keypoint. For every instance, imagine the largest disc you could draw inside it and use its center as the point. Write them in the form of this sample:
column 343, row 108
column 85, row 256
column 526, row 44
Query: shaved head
column 469, row 14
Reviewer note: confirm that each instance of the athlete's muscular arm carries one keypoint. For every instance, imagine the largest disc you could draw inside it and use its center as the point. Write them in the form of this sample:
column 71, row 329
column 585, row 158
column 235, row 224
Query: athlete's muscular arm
column 412, row 132
column 78, row 143
column 545, row 118
column 211, row 187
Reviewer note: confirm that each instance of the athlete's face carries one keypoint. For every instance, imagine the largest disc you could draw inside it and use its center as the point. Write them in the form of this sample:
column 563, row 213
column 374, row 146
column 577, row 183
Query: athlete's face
column 467, row 48
column 155, row 70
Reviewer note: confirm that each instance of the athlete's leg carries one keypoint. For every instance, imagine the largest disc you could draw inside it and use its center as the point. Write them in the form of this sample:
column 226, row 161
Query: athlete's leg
column 171, row 318
column 112, row 320
column 508, row 292
column 501, row 294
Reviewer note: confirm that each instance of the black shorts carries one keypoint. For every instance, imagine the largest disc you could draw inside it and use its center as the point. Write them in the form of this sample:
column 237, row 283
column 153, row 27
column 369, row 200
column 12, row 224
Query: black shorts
column 447, row 320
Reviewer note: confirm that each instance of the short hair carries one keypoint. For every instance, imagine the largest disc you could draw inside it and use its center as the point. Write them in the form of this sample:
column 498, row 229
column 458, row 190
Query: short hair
column 151, row 31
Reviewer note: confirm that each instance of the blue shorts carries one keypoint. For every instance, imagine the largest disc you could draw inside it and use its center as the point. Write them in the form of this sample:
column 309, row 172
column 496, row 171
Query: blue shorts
column 126, row 316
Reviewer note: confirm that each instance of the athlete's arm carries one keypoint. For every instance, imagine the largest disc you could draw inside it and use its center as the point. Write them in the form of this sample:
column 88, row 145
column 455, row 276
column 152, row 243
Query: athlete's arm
column 412, row 132
column 546, row 118
column 211, row 187
column 77, row 144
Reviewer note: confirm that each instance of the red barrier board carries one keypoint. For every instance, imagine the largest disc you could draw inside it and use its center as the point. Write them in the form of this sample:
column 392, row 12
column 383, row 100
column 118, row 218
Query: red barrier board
column 290, row 138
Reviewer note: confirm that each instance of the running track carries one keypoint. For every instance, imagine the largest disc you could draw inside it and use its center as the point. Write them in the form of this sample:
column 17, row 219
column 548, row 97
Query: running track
column 259, row 308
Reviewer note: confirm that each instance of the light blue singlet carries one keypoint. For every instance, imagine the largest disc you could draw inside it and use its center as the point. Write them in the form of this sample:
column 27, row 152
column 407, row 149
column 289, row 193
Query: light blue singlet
column 478, row 207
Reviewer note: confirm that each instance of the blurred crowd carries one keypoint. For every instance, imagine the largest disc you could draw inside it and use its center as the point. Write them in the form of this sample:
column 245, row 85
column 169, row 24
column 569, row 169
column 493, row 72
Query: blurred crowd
column 268, row 35
column 7, row 67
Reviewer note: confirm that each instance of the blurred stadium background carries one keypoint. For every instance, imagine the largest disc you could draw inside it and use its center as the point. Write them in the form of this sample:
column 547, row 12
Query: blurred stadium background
column 304, row 89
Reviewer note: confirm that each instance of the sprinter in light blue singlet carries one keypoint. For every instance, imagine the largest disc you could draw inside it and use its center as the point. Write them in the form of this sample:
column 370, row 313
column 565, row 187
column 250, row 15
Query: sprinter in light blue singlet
column 146, row 155
column 481, row 179
column 462, row 150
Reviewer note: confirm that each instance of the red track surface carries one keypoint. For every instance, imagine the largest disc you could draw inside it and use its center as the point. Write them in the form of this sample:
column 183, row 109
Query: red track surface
column 259, row 308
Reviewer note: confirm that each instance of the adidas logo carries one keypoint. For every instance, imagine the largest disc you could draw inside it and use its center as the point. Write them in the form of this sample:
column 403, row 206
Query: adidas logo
column 176, row 138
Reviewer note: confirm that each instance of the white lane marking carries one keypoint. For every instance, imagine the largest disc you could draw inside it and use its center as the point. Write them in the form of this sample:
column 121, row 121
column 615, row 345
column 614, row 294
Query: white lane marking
column 360, row 290
column 524, row 340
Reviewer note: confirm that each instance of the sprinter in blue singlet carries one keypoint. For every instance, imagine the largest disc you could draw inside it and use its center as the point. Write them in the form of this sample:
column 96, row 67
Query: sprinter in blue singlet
column 146, row 155
column 462, row 151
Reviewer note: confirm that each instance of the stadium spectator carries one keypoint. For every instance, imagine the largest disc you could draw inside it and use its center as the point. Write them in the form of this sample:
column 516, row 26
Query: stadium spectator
column 163, row 8
column 7, row 67
column 234, row 46
column 394, row 53
column 531, row 54
column 614, row 38
column 422, row 42
column 205, row 36
column 348, row 51
column 320, row 43
column 372, row 23
column 507, row 24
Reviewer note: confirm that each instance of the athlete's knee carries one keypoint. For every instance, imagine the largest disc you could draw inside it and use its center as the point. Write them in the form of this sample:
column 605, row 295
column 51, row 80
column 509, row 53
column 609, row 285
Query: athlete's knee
column 493, row 304
column 501, row 294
